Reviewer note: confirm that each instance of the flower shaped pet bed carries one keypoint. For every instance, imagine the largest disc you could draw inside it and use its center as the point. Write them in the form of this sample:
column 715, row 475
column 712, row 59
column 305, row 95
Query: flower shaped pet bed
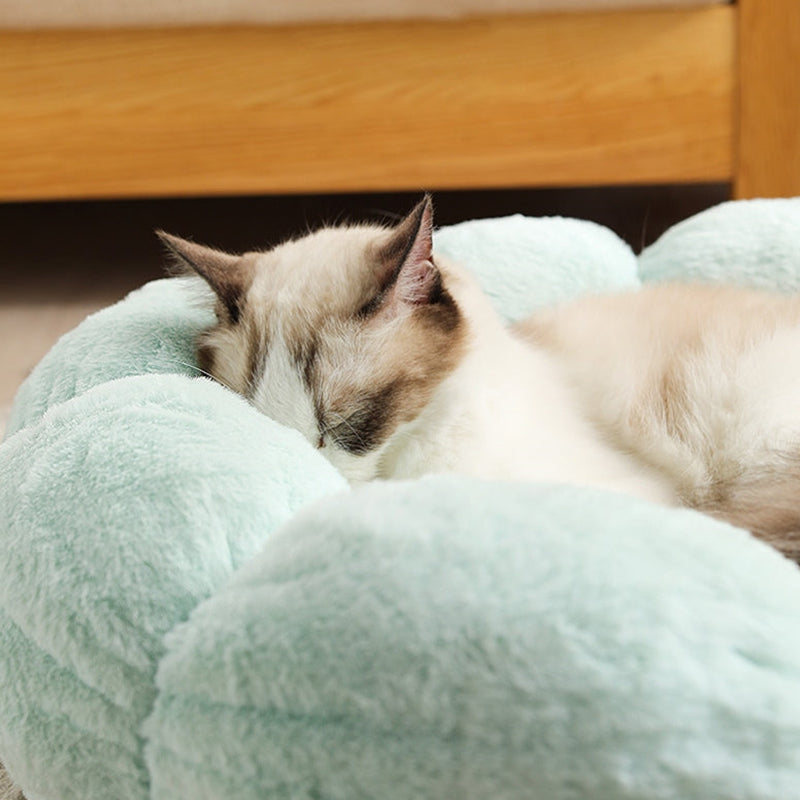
column 194, row 605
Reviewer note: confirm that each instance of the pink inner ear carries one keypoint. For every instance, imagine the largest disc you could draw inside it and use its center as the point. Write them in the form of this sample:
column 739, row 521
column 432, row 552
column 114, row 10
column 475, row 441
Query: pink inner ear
column 416, row 282
column 418, row 276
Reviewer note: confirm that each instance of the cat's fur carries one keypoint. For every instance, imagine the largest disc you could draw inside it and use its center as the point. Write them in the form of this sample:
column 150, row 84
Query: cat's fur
column 395, row 364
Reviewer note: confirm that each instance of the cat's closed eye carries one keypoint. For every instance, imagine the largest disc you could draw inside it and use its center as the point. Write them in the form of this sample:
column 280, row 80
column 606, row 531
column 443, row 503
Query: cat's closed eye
column 362, row 428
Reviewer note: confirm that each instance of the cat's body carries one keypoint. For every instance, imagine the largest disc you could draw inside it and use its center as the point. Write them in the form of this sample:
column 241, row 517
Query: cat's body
column 395, row 365
column 702, row 384
column 505, row 411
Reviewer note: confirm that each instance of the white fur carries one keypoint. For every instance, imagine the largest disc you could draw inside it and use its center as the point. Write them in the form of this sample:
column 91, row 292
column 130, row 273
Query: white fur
column 734, row 358
column 507, row 412
column 283, row 396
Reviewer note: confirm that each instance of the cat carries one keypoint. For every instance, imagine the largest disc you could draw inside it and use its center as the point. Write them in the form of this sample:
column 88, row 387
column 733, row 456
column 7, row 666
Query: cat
column 393, row 363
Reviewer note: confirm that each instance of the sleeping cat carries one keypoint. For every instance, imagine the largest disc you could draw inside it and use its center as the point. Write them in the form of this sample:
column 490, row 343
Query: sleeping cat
column 393, row 363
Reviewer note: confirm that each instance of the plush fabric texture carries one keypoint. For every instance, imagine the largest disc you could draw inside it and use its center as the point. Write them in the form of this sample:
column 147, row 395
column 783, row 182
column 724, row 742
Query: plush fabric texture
column 194, row 605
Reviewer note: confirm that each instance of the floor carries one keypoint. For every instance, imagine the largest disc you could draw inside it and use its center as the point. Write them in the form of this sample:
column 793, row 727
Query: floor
column 7, row 789
column 62, row 261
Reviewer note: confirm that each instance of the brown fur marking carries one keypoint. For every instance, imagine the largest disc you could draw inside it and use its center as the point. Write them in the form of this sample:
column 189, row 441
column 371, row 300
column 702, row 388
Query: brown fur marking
column 765, row 501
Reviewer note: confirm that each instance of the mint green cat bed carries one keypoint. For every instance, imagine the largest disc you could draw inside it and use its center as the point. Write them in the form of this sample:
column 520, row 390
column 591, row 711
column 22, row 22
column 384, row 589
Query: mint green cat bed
column 193, row 605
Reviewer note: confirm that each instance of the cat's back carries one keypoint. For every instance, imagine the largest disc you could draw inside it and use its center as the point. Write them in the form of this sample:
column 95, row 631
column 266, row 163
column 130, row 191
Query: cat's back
column 700, row 380
column 655, row 339
column 669, row 343
column 660, row 320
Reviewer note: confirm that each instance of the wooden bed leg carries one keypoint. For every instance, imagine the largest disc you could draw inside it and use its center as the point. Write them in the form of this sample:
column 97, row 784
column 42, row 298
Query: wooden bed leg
column 768, row 158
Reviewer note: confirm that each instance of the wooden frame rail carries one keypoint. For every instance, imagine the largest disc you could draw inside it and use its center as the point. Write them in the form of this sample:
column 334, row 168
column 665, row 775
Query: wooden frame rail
column 768, row 114
column 539, row 100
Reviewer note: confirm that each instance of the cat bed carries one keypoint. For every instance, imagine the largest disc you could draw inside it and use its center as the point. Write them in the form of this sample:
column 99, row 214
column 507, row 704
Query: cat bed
column 194, row 605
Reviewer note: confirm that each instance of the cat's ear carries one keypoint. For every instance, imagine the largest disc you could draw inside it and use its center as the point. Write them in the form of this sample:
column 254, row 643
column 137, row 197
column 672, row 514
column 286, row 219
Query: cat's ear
column 228, row 275
column 407, row 258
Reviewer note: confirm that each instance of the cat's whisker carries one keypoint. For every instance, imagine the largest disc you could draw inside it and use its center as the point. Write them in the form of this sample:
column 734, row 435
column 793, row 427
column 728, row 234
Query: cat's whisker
column 195, row 368
column 186, row 364
column 203, row 372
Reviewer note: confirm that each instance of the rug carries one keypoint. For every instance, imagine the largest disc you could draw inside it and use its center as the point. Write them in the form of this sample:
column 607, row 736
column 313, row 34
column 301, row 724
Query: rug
column 7, row 789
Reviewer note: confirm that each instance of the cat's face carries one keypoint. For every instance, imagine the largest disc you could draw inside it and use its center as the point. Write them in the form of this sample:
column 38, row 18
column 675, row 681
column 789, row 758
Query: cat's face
column 343, row 334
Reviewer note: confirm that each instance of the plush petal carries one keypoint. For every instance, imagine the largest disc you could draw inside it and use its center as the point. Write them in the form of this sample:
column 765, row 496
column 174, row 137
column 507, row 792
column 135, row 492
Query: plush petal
column 122, row 509
column 455, row 638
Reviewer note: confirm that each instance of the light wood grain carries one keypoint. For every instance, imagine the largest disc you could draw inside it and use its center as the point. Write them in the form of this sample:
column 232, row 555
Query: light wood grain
column 769, row 102
column 604, row 98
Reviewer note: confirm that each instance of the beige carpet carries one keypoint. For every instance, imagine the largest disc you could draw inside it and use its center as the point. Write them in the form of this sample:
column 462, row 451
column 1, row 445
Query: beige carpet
column 7, row 790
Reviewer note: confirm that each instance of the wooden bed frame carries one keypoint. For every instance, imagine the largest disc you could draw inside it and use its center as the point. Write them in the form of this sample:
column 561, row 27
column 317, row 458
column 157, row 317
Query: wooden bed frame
column 648, row 96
